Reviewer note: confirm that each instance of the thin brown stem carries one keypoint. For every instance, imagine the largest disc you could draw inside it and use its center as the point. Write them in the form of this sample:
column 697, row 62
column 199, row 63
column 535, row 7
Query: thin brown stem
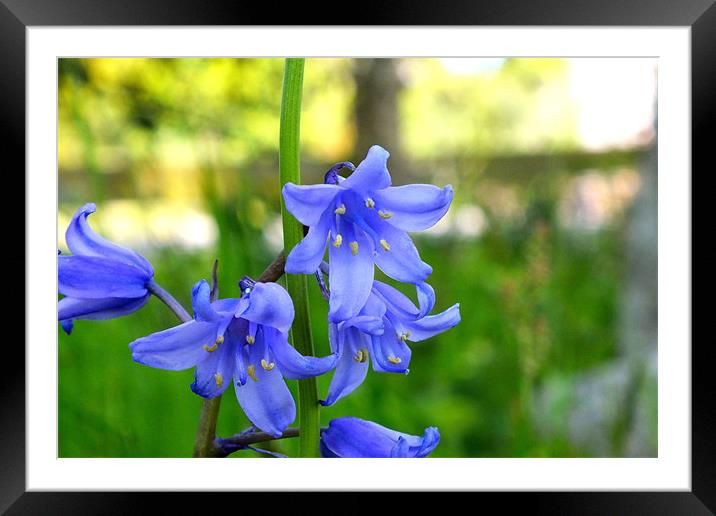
column 229, row 445
column 274, row 271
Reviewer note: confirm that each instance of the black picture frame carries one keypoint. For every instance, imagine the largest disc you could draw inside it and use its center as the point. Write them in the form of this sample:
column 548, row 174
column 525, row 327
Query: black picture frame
column 17, row 15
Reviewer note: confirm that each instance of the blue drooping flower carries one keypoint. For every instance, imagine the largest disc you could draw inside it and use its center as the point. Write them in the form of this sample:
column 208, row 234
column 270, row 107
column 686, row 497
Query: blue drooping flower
column 351, row 437
column 244, row 340
column 101, row 279
column 380, row 330
column 366, row 222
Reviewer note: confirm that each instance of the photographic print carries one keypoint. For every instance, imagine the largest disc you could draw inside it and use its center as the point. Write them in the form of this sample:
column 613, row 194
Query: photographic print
column 357, row 257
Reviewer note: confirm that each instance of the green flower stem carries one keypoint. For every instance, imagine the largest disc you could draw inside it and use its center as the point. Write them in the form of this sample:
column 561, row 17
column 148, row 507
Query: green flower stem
column 290, row 171
column 206, row 433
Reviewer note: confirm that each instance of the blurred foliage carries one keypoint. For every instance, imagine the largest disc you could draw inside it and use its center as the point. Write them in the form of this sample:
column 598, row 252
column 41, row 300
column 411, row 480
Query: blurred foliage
column 539, row 299
column 519, row 107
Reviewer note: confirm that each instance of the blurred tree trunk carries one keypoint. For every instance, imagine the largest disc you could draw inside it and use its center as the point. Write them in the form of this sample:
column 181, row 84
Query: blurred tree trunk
column 376, row 108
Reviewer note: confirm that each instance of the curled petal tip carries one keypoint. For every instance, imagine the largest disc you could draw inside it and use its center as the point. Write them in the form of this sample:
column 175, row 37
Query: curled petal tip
column 449, row 193
column 83, row 241
column 198, row 286
column 67, row 326
column 87, row 209
column 378, row 149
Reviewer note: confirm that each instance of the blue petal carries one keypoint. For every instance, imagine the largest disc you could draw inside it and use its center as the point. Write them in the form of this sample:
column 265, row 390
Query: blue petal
column 350, row 275
column 426, row 298
column 90, row 277
column 201, row 302
column 431, row 438
column 308, row 203
column 372, row 173
column 306, row 256
column 431, row 325
column 67, row 326
column 227, row 304
column 395, row 301
column 401, row 450
column 241, row 358
column 390, row 354
column 266, row 401
column 351, row 437
column 236, row 335
column 365, row 323
column 214, row 374
column 370, row 318
column 293, row 365
column 334, row 338
column 326, row 453
column 374, row 306
column 400, row 305
column 177, row 348
column 69, row 308
column 82, row 241
column 400, row 260
column 270, row 305
column 349, row 373
column 413, row 207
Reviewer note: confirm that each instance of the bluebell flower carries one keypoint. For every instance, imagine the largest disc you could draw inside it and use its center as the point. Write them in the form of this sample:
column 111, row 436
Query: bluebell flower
column 101, row 279
column 380, row 332
column 365, row 221
column 243, row 340
column 351, row 437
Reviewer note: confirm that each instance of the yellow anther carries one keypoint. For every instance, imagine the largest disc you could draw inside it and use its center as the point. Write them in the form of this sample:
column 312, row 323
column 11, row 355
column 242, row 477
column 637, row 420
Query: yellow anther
column 384, row 214
column 369, row 203
column 404, row 336
column 338, row 241
column 219, row 339
column 361, row 355
column 219, row 379
column 250, row 339
column 266, row 365
column 385, row 245
column 210, row 348
column 340, row 210
column 252, row 372
column 354, row 248
column 394, row 360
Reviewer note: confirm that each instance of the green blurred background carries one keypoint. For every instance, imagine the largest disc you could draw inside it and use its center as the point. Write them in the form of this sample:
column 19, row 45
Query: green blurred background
column 550, row 245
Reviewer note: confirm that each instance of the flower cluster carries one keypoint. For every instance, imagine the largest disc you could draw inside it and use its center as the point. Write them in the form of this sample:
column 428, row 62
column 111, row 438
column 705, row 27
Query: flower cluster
column 363, row 221
column 244, row 340
column 382, row 328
